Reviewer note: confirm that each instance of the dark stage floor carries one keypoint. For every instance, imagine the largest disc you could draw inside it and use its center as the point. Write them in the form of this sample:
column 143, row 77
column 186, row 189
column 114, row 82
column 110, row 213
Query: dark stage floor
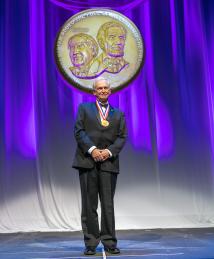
column 152, row 244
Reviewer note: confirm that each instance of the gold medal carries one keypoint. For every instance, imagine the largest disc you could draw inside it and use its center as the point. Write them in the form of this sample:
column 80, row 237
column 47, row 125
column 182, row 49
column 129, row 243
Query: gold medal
column 104, row 123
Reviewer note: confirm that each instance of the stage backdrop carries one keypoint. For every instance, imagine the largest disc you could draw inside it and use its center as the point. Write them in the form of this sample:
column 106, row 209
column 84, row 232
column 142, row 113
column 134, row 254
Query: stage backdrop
column 167, row 165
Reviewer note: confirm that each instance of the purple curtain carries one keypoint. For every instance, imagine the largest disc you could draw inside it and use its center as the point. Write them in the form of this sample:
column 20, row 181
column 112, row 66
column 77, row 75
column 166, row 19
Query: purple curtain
column 81, row 5
column 169, row 107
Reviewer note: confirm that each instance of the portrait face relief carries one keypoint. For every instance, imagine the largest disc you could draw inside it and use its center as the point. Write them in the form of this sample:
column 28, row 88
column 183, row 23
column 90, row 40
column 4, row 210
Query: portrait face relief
column 111, row 38
column 115, row 41
column 80, row 53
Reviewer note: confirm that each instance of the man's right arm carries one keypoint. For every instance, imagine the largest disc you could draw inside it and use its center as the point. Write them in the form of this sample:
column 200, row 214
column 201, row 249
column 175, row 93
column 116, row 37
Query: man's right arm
column 83, row 141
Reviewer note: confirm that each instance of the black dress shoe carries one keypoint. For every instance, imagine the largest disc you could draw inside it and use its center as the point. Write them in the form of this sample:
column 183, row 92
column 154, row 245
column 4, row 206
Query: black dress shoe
column 112, row 250
column 90, row 250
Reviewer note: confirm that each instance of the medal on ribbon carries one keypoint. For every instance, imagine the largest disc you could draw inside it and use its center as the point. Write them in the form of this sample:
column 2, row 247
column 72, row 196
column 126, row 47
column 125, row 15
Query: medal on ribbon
column 103, row 115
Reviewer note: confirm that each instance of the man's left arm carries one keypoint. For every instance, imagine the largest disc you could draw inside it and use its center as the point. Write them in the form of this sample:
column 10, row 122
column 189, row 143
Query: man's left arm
column 118, row 144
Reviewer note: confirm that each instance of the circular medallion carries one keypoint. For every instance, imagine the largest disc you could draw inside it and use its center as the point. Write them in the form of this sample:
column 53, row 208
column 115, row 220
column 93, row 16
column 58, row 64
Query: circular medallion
column 99, row 42
column 105, row 123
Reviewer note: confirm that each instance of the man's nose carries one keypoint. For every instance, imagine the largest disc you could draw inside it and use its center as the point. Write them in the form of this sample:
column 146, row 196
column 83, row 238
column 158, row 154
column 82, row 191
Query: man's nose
column 75, row 48
column 118, row 41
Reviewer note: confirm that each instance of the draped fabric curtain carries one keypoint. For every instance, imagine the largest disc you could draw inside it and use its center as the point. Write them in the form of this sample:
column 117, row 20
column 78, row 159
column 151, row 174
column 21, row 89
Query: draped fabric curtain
column 167, row 176
column 122, row 5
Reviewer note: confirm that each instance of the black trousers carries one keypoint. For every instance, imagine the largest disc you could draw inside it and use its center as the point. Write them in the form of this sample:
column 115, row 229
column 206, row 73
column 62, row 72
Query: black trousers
column 96, row 184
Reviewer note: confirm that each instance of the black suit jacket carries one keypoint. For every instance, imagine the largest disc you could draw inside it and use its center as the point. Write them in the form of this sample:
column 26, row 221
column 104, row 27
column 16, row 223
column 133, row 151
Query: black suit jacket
column 89, row 132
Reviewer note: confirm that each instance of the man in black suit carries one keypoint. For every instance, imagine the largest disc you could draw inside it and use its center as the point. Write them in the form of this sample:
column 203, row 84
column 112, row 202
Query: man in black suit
column 100, row 132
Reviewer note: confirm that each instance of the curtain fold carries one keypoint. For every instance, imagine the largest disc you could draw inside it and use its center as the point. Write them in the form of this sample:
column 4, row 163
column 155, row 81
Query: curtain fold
column 122, row 5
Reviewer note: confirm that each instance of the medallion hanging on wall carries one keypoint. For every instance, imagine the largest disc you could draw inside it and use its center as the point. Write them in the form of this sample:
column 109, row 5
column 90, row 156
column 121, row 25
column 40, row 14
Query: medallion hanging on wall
column 99, row 42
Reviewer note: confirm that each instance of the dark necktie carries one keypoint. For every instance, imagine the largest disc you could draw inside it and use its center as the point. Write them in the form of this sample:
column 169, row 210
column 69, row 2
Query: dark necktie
column 105, row 105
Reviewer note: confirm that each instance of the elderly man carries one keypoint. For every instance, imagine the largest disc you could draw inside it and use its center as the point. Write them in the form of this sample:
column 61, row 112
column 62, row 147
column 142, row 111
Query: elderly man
column 100, row 132
column 111, row 37
column 82, row 51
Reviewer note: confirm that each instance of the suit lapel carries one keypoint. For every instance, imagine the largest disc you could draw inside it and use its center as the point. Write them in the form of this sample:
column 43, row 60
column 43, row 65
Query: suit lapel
column 111, row 112
column 96, row 112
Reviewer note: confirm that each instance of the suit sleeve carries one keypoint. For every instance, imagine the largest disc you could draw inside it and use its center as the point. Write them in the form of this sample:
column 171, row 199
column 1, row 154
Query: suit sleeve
column 83, row 141
column 118, row 144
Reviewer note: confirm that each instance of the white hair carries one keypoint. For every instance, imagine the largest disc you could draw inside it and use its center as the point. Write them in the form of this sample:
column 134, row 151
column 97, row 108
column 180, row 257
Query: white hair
column 100, row 79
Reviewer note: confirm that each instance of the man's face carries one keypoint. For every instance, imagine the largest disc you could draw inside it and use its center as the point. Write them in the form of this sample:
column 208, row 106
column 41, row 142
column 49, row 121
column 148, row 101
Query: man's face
column 80, row 53
column 102, row 91
column 115, row 42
